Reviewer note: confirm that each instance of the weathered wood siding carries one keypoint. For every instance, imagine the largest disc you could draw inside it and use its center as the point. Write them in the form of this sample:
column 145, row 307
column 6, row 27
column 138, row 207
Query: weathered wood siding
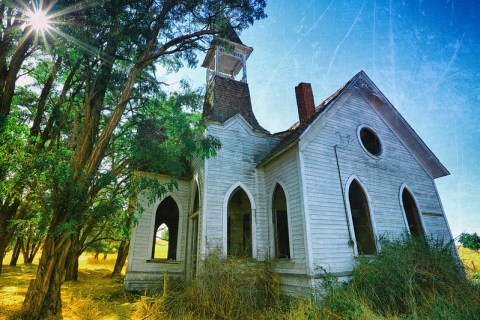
column 142, row 271
column 234, row 166
column 382, row 178
column 284, row 170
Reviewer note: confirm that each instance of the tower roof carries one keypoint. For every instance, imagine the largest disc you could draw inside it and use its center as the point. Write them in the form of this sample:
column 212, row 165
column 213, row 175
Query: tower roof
column 229, row 34
column 226, row 98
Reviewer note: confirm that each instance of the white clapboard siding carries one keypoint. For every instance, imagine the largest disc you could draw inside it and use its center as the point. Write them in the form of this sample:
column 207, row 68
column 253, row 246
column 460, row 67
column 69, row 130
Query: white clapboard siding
column 142, row 271
column 382, row 178
column 235, row 164
column 284, row 171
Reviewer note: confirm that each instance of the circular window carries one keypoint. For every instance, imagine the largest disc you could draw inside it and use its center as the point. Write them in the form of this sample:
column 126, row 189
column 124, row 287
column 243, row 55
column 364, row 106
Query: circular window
column 370, row 141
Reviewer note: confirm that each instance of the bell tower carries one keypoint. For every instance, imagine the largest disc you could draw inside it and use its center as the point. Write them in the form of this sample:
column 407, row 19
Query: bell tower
column 227, row 57
column 227, row 92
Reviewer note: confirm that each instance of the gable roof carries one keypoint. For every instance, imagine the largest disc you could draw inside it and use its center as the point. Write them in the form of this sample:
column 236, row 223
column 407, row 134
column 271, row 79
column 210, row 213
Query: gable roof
column 291, row 136
column 377, row 100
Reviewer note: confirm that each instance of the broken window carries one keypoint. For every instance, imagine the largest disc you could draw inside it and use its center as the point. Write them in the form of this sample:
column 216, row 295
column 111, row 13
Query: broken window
column 166, row 230
column 412, row 214
column 362, row 223
column 239, row 225
column 280, row 224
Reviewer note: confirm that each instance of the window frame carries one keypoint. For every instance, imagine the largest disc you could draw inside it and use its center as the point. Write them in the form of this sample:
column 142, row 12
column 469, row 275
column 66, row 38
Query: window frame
column 375, row 133
column 273, row 251
column 404, row 187
column 151, row 246
column 350, row 217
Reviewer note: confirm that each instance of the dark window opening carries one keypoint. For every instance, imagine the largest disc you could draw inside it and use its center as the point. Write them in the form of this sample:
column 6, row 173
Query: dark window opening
column 362, row 223
column 280, row 223
column 239, row 225
column 196, row 201
column 370, row 141
column 412, row 213
column 166, row 230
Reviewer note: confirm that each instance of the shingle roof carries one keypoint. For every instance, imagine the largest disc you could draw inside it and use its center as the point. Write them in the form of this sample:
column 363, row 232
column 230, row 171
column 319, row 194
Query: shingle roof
column 292, row 134
column 226, row 98
column 230, row 34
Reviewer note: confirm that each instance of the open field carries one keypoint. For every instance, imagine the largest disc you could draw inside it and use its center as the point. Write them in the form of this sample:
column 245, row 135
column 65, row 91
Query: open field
column 94, row 296
column 97, row 296
column 471, row 262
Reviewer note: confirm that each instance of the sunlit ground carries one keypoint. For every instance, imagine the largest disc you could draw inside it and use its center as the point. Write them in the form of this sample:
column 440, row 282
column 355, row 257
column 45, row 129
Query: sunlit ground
column 471, row 262
column 94, row 296
column 161, row 249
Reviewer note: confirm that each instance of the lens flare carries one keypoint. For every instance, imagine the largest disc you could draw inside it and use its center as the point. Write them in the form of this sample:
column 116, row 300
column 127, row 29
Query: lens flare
column 39, row 20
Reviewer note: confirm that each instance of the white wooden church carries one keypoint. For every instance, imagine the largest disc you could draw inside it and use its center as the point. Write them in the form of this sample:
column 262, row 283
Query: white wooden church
column 314, row 196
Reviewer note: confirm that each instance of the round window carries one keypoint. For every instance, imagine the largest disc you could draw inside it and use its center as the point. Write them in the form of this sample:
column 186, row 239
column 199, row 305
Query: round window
column 370, row 141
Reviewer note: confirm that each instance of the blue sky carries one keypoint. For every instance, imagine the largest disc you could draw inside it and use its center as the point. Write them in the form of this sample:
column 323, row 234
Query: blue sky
column 423, row 55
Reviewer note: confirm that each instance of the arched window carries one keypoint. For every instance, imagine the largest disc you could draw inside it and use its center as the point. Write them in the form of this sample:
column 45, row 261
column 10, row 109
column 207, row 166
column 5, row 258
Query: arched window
column 166, row 230
column 196, row 201
column 239, row 227
column 361, row 219
column 412, row 214
column 280, row 224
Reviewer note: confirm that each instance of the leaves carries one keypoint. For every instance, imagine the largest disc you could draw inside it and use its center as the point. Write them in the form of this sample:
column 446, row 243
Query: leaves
column 470, row 241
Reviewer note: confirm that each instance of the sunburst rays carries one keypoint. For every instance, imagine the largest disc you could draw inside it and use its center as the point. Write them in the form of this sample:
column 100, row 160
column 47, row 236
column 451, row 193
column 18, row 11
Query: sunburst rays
column 41, row 20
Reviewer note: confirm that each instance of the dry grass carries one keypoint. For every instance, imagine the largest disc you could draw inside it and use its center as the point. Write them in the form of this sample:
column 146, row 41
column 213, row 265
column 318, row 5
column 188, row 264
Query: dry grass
column 97, row 296
column 94, row 296
column 470, row 259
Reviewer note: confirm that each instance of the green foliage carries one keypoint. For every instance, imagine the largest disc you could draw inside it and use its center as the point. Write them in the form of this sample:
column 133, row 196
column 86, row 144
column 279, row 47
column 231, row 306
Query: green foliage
column 165, row 235
column 170, row 133
column 470, row 241
column 411, row 279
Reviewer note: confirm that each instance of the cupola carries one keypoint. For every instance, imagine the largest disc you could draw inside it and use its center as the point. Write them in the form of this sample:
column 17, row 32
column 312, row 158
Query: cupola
column 227, row 56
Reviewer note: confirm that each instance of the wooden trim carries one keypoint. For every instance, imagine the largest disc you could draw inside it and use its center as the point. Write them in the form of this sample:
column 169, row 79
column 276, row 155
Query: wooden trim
column 432, row 214
column 350, row 180
column 306, row 213
column 420, row 213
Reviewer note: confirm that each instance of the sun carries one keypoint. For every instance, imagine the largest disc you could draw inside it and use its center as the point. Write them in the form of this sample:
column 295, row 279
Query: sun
column 39, row 20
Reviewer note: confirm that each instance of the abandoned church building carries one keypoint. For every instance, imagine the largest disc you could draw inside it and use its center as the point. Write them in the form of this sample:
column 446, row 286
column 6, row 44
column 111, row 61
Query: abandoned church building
column 315, row 196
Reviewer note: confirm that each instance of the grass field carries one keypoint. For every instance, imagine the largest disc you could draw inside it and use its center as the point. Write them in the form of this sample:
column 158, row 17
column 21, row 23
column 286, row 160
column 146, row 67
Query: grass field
column 161, row 249
column 97, row 296
column 471, row 262
column 94, row 296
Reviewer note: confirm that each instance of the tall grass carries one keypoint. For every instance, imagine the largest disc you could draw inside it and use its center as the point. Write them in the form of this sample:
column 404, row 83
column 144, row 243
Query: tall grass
column 224, row 289
column 410, row 279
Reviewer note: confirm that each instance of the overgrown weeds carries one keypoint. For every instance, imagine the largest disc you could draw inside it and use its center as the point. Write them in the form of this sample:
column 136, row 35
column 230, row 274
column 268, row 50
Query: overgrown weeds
column 410, row 279
column 224, row 289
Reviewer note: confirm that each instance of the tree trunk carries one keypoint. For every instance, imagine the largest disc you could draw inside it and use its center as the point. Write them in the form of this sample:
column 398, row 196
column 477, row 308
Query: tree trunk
column 121, row 258
column 33, row 252
column 4, row 240
column 71, row 267
column 43, row 297
column 7, row 213
column 16, row 253
column 25, row 247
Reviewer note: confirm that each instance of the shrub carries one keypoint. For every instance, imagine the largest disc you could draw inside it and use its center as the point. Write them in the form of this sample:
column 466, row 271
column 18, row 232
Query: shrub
column 410, row 278
column 224, row 289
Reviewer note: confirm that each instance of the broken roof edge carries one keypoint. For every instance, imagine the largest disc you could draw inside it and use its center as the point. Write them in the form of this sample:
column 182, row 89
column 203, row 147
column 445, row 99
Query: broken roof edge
column 425, row 156
column 296, row 130
column 429, row 154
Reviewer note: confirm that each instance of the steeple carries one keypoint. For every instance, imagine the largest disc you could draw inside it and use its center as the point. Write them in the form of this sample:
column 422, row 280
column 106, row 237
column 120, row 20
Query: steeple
column 226, row 96
column 227, row 56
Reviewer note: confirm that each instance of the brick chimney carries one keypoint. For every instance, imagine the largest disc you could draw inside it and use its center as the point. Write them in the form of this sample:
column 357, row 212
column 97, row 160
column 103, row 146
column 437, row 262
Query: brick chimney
column 305, row 103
